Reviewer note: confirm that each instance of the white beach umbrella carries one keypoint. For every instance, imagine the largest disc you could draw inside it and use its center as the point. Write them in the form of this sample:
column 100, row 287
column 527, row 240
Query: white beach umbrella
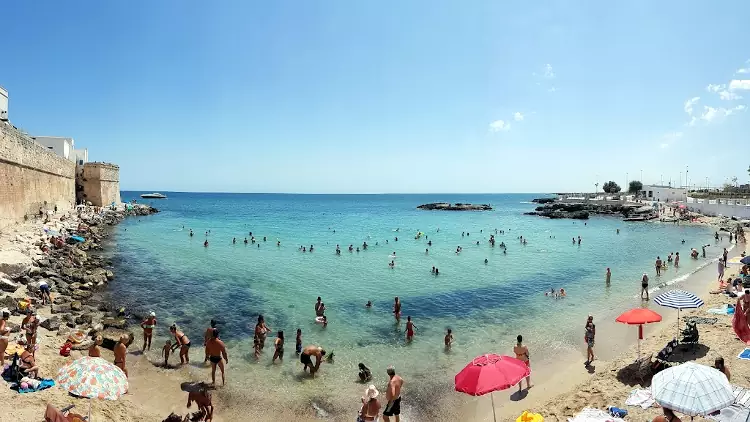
column 692, row 389
column 678, row 299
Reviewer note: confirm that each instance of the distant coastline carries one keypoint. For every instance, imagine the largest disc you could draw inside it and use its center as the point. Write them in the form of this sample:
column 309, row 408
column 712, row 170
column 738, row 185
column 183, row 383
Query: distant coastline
column 445, row 206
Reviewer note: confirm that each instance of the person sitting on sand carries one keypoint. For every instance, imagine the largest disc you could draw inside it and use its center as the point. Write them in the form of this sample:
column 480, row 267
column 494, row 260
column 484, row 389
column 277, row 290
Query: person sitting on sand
column 121, row 351
column 719, row 364
column 668, row 416
column 165, row 352
column 202, row 397
column 365, row 374
column 306, row 358
column 28, row 364
column 94, row 350
column 216, row 351
column 182, row 342
column 148, row 326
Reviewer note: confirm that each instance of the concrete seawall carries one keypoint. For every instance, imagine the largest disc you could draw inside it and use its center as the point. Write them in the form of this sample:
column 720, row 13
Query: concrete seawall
column 31, row 177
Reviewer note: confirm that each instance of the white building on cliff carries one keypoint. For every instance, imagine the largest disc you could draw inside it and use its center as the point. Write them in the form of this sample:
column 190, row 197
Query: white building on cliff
column 660, row 193
column 64, row 147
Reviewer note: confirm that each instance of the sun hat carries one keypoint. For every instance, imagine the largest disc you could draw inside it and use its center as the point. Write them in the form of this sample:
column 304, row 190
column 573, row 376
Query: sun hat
column 371, row 392
column 153, row 314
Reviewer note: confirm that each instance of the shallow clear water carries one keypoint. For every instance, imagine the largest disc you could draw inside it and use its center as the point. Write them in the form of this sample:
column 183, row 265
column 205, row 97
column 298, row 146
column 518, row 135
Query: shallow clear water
column 159, row 267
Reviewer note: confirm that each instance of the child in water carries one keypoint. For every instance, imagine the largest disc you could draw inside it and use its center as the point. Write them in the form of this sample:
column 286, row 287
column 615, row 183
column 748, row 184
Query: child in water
column 165, row 352
column 298, row 346
column 449, row 339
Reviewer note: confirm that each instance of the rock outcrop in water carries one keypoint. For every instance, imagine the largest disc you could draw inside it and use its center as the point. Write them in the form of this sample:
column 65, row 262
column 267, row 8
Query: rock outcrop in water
column 543, row 200
column 445, row 206
column 582, row 210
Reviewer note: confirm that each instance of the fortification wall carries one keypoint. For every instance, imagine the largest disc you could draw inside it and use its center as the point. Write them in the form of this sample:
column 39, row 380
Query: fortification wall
column 101, row 183
column 31, row 177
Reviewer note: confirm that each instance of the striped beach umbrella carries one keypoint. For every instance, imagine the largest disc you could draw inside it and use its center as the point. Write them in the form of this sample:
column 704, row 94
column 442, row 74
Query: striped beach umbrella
column 678, row 299
column 692, row 389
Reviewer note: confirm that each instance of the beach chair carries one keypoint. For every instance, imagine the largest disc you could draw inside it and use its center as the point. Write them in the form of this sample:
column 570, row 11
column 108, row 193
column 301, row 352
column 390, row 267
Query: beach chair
column 643, row 368
column 690, row 335
column 52, row 414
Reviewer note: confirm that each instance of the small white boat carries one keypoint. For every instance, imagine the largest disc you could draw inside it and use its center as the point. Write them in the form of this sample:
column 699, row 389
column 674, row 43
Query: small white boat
column 154, row 195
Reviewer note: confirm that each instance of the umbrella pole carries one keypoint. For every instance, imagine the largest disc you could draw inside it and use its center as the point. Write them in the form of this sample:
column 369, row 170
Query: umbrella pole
column 89, row 418
column 492, row 398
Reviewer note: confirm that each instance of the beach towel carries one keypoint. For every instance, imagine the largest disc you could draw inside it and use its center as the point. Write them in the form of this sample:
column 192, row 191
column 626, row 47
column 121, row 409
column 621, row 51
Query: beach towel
column 640, row 397
column 594, row 415
column 741, row 395
column 702, row 320
column 720, row 311
column 733, row 413
column 44, row 384
column 745, row 354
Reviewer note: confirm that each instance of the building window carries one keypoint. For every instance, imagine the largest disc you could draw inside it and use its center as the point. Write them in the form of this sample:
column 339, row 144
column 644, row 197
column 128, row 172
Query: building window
column 650, row 194
column 80, row 162
column 49, row 147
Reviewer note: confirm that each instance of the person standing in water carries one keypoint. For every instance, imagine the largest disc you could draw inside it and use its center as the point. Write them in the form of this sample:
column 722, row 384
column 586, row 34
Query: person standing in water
column 409, row 329
column 448, row 339
column 182, row 342
column 397, row 309
column 609, row 276
column 676, row 259
column 216, row 352
column 658, row 265
column 644, row 285
column 278, row 347
column 393, row 396
column 148, row 326
column 522, row 354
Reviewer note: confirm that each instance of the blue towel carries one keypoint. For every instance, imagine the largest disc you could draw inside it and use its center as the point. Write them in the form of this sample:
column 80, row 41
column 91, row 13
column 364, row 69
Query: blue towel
column 745, row 354
column 43, row 385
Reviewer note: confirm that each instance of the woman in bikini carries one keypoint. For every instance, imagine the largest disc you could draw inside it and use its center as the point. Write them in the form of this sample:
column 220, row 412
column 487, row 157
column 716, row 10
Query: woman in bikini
column 28, row 363
column 589, row 339
column 261, row 330
column 94, row 350
column 4, row 332
column 148, row 326
column 522, row 353
column 183, row 342
column 279, row 345
column 30, row 325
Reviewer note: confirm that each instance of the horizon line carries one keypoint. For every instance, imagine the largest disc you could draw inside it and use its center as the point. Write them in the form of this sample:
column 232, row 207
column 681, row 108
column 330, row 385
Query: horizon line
column 346, row 193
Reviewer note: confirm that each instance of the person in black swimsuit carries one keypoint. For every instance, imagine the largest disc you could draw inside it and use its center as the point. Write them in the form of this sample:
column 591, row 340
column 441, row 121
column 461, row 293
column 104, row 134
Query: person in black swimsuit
column 279, row 345
column 216, row 351
column 183, row 342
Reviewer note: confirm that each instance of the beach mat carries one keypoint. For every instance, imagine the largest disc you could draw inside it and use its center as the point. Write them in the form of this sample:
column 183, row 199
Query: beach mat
column 745, row 354
column 594, row 415
column 43, row 385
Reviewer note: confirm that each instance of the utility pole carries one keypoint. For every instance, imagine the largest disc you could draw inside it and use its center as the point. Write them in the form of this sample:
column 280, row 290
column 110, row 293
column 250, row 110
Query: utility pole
column 687, row 185
column 641, row 175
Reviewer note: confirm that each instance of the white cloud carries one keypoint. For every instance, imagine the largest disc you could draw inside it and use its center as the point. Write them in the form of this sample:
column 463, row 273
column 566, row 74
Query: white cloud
column 664, row 145
column 517, row 116
column 499, row 126
column 739, row 84
column 729, row 96
column 553, row 89
column 690, row 103
column 744, row 70
column 715, row 88
column 711, row 114
column 548, row 72
column 693, row 121
column 669, row 138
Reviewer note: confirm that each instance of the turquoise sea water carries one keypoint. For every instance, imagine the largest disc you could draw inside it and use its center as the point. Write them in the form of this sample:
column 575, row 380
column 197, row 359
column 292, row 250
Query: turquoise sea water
column 159, row 267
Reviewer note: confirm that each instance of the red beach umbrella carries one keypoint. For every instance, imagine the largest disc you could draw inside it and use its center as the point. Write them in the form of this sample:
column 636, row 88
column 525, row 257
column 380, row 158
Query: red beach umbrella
column 489, row 373
column 639, row 316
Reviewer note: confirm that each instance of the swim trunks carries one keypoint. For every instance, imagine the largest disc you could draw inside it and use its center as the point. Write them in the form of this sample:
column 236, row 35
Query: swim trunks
column 393, row 408
column 306, row 360
column 214, row 359
column 44, row 288
column 186, row 345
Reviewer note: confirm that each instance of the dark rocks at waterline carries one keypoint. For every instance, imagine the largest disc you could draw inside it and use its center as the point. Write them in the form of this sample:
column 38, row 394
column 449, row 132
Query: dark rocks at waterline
column 555, row 214
column 51, row 324
column 582, row 210
column 445, row 206
column 543, row 200
column 111, row 336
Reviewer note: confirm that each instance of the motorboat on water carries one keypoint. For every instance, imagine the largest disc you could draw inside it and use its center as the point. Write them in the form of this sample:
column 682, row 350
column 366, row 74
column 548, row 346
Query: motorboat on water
column 154, row 195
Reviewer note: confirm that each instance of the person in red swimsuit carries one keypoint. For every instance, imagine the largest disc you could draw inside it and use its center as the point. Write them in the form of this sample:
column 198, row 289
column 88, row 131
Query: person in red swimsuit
column 409, row 329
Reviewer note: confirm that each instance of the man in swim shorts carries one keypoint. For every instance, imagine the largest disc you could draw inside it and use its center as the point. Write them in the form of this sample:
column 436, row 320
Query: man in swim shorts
column 658, row 266
column 393, row 395
column 216, row 351
column 207, row 336
column 397, row 309
column 306, row 358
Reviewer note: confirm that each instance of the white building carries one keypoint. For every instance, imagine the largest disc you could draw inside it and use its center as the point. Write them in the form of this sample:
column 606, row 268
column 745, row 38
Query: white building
column 661, row 193
column 64, row 147
column 3, row 104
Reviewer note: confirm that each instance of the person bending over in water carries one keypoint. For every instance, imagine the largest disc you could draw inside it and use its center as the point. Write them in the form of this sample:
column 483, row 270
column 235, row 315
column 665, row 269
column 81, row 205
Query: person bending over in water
column 182, row 342
column 216, row 351
column 306, row 358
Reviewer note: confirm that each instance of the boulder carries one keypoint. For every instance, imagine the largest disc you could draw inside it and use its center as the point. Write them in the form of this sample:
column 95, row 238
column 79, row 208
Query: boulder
column 34, row 271
column 8, row 302
column 13, row 327
column 118, row 323
column 83, row 319
column 110, row 275
column 76, row 305
column 81, row 294
column 110, row 337
column 50, row 274
column 13, row 262
column 7, row 285
column 84, row 345
column 43, row 263
column 61, row 308
column 51, row 324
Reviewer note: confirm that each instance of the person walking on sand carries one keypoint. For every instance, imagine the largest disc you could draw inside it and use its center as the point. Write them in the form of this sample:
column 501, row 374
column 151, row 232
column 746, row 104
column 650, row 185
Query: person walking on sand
column 522, row 353
column 370, row 405
column 207, row 336
column 658, row 266
column 721, row 269
column 409, row 329
column 397, row 309
column 608, row 276
column 726, row 254
column 121, row 351
column 644, row 285
column 588, row 337
column 216, row 351
column 148, row 325
column 393, row 396
column 182, row 342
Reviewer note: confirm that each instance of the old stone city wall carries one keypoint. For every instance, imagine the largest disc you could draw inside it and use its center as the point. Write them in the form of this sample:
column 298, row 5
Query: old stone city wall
column 100, row 183
column 31, row 177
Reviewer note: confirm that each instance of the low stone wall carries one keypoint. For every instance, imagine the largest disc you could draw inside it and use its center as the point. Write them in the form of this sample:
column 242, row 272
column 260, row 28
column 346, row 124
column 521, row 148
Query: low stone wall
column 31, row 177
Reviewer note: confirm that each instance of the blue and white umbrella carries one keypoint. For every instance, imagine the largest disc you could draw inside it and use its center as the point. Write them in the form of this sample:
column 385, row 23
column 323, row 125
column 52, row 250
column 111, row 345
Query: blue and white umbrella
column 678, row 299
column 692, row 389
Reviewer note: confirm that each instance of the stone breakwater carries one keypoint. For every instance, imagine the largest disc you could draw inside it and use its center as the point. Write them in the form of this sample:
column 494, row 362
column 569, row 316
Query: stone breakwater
column 74, row 271
column 445, row 206
column 581, row 210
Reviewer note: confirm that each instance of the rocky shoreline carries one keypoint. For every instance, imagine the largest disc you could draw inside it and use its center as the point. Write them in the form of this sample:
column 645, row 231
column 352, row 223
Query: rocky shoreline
column 445, row 206
column 73, row 270
column 580, row 210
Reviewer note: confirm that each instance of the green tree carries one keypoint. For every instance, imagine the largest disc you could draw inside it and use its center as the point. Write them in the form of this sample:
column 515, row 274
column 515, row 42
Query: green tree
column 611, row 187
column 635, row 186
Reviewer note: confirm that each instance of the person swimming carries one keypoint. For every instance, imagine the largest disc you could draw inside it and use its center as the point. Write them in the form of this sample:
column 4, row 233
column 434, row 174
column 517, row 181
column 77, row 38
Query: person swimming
column 246, row 241
column 191, row 232
column 485, row 261
column 562, row 292
column 205, row 243
column 392, row 264
column 368, row 304
column 311, row 248
column 234, row 240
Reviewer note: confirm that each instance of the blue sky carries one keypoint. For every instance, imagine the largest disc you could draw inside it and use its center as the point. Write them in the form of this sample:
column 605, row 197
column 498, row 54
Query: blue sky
column 386, row 96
